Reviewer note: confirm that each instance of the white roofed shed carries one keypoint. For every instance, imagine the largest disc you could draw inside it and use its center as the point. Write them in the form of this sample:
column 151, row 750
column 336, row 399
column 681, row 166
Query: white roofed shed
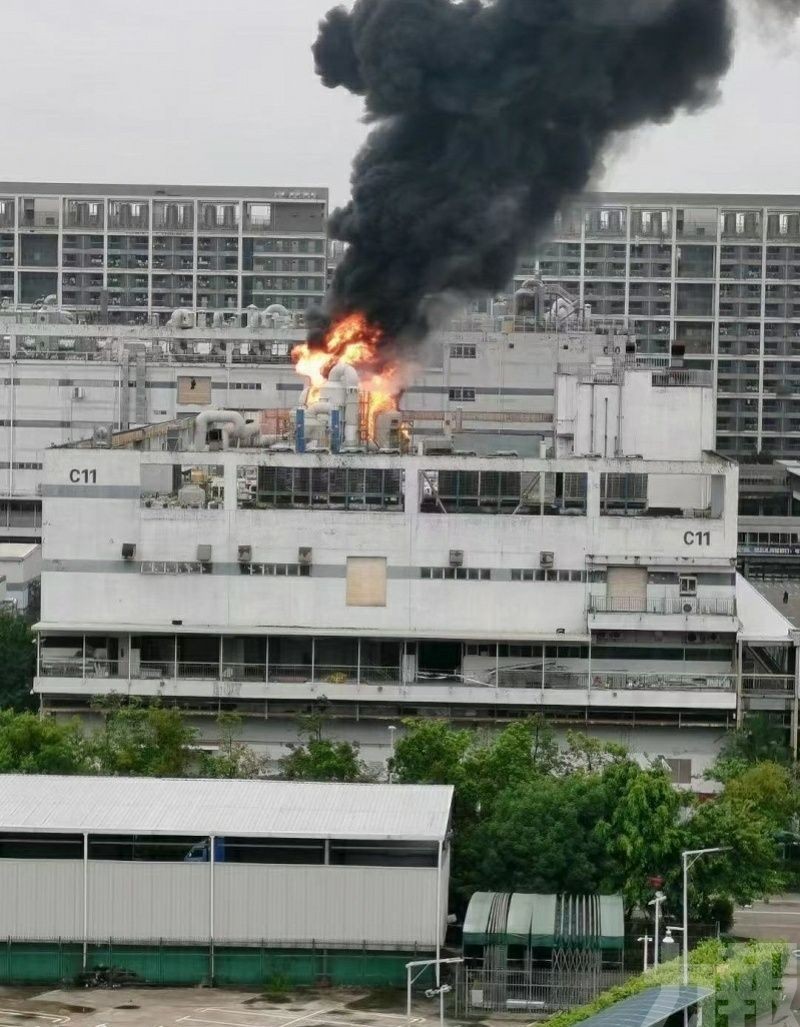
column 224, row 862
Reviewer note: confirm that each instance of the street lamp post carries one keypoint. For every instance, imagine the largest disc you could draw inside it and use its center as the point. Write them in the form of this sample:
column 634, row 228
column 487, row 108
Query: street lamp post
column 688, row 858
column 656, row 901
column 646, row 939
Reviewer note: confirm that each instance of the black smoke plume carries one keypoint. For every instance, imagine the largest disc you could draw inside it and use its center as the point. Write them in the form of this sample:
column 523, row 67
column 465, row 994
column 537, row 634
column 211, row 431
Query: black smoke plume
column 487, row 115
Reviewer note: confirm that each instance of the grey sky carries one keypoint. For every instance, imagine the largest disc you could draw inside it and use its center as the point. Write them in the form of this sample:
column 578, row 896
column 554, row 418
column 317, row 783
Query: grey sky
column 223, row 92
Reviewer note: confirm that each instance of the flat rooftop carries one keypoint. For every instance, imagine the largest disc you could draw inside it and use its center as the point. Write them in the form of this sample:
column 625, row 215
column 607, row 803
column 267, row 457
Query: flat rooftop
column 282, row 192
column 17, row 550
column 199, row 807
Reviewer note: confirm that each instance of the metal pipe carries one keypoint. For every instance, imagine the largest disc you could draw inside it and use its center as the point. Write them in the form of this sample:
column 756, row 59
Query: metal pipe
column 605, row 430
column 207, row 417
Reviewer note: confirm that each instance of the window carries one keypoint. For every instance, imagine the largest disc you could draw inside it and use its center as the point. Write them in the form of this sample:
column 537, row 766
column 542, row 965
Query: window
column 174, row 567
column 620, row 493
column 187, row 486
column 366, row 581
column 512, row 492
column 456, row 573
column 462, row 395
column 688, row 585
column 279, row 570
column 680, row 771
column 349, row 488
column 463, row 352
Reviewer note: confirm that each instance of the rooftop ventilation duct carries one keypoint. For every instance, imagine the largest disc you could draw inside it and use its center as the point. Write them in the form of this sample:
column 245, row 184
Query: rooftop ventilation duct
column 232, row 419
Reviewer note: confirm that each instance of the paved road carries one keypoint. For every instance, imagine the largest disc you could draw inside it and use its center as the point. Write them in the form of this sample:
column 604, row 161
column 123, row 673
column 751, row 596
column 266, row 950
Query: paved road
column 777, row 919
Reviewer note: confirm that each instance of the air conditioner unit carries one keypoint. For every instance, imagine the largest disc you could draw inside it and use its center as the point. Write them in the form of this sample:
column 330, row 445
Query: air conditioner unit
column 689, row 604
column 456, row 558
column 304, row 555
column 546, row 558
column 204, row 553
column 128, row 550
column 77, row 392
column 245, row 554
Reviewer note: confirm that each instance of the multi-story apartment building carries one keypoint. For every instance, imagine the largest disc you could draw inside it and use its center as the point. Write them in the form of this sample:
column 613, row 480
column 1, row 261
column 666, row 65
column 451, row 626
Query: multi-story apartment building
column 594, row 582
column 127, row 253
column 711, row 280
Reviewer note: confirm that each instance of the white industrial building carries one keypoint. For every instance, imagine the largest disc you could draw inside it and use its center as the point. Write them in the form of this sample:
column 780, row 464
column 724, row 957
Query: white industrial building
column 21, row 567
column 224, row 863
column 597, row 584
column 59, row 382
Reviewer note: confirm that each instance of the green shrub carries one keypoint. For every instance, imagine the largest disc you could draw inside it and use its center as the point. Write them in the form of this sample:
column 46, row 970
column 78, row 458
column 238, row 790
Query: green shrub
column 746, row 979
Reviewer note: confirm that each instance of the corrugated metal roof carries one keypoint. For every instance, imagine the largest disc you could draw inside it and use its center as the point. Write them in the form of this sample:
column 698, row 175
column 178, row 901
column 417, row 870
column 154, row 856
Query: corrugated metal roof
column 279, row 809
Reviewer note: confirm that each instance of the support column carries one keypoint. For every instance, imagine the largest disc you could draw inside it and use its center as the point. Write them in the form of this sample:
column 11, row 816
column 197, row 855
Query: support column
column 221, row 644
column 85, row 899
column 313, row 657
column 175, row 659
column 795, row 694
column 83, row 656
column 739, row 703
column 358, row 660
column 212, row 862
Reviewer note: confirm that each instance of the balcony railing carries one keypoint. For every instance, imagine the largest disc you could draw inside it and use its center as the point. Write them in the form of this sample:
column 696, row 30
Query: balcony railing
column 273, row 673
column 620, row 680
column 683, row 605
column 768, row 684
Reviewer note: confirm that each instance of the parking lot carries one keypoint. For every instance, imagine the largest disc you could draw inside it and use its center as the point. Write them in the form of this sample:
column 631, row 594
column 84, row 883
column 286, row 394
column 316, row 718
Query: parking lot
column 195, row 1007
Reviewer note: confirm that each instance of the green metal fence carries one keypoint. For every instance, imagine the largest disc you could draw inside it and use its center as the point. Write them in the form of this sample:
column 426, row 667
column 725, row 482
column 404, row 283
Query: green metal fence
column 250, row 967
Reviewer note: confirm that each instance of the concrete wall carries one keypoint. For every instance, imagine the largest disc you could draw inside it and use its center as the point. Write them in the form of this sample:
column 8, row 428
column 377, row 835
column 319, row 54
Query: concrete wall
column 86, row 525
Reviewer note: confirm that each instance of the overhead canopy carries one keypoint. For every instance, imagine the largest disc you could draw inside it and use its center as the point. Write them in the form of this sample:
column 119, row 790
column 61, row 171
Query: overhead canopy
column 648, row 1008
column 201, row 807
column 476, row 920
column 545, row 921
column 760, row 621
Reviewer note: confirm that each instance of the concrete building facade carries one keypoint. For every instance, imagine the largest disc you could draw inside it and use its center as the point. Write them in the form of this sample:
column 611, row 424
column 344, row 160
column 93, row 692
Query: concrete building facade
column 709, row 280
column 62, row 382
column 130, row 253
column 597, row 585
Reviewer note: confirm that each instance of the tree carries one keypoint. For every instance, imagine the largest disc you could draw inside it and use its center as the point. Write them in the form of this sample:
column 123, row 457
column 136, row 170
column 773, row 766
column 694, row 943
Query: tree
column 760, row 739
column 770, row 789
column 30, row 744
column 539, row 837
column 17, row 663
column 640, row 830
column 147, row 740
column 591, row 754
column 746, row 871
column 321, row 759
column 234, row 758
column 431, row 752
column 521, row 752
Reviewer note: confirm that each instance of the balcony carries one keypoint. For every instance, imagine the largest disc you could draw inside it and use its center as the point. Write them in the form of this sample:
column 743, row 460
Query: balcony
column 180, row 670
column 682, row 605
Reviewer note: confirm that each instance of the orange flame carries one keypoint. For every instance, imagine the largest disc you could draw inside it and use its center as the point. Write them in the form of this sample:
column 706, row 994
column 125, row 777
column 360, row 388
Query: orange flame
column 352, row 340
